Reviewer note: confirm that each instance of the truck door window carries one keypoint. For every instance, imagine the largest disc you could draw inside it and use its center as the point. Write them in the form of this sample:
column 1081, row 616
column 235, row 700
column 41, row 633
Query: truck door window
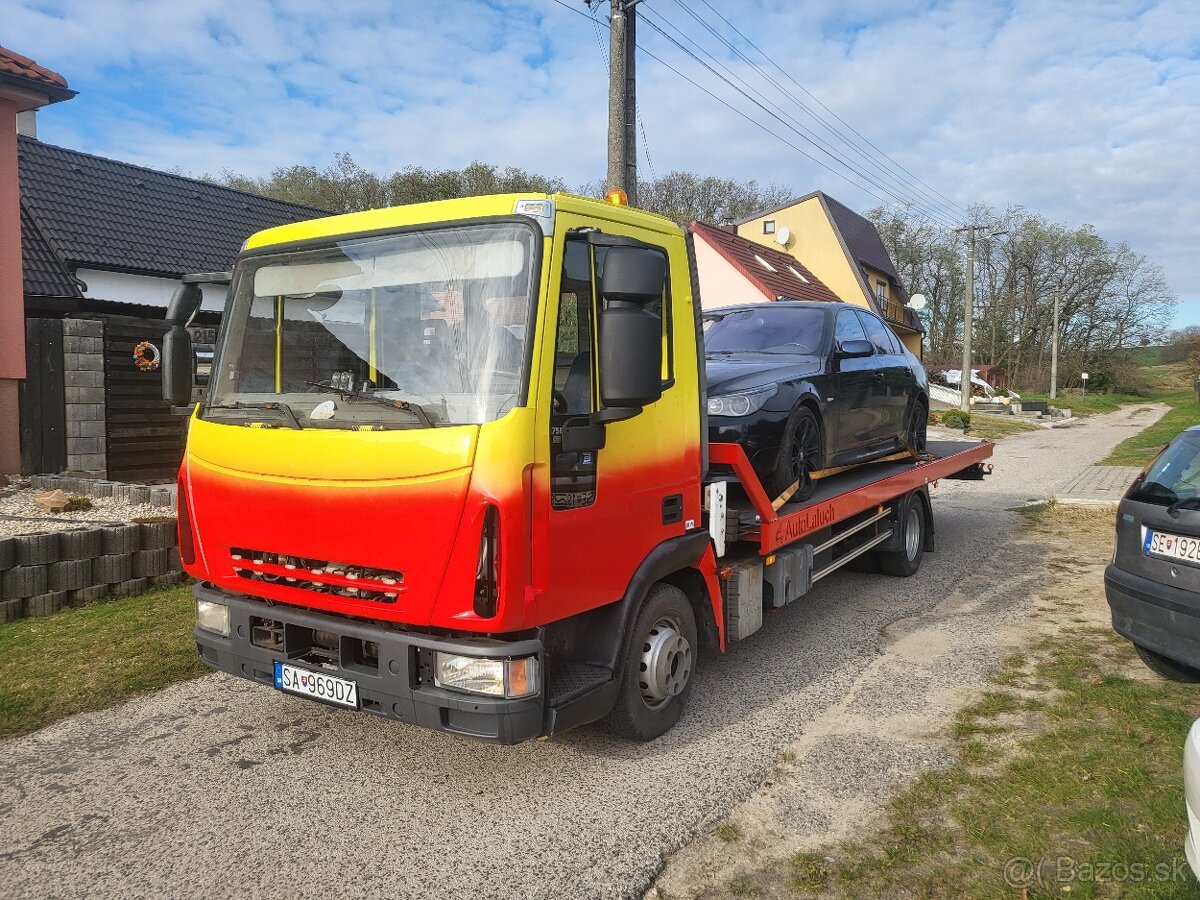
column 573, row 475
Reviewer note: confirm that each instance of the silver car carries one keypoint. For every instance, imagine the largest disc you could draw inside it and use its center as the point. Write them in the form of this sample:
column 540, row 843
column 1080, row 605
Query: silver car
column 1153, row 583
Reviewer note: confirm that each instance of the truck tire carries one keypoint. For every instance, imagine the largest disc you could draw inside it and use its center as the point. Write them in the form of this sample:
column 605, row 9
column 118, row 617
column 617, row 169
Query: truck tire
column 1167, row 667
column 656, row 672
column 912, row 524
column 22, row 581
column 35, row 549
column 70, row 574
column 84, row 544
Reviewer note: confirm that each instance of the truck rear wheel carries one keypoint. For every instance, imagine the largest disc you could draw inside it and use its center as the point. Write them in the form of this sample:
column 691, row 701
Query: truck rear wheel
column 905, row 561
column 656, row 674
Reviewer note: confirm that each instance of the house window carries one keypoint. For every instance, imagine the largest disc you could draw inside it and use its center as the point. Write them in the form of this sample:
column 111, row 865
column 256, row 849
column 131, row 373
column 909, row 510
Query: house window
column 769, row 226
column 798, row 275
column 881, row 291
column 762, row 262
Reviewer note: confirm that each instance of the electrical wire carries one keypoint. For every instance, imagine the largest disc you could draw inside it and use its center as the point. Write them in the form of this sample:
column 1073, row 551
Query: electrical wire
column 957, row 208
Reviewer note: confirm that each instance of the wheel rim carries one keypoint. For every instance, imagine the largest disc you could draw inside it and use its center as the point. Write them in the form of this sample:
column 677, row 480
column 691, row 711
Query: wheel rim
column 914, row 429
column 665, row 665
column 912, row 533
column 805, row 449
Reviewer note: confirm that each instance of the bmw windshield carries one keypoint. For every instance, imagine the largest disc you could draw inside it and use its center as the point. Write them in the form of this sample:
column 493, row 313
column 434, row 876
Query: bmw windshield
column 411, row 330
column 764, row 329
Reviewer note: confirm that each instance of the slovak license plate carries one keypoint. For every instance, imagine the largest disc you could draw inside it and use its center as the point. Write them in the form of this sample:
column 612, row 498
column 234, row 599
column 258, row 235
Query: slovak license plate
column 317, row 685
column 1172, row 546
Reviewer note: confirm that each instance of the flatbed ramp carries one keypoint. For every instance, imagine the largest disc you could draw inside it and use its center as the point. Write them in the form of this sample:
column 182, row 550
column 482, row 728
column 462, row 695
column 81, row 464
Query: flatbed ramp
column 838, row 497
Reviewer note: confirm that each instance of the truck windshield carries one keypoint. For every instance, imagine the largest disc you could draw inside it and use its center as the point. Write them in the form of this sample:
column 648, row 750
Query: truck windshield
column 1174, row 476
column 764, row 329
column 410, row 330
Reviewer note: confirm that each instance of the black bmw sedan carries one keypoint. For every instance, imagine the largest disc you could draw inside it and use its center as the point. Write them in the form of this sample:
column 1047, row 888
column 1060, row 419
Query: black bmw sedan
column 804, row 386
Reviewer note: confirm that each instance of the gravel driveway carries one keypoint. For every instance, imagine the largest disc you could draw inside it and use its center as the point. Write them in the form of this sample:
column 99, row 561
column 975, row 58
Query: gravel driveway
column 220, row 788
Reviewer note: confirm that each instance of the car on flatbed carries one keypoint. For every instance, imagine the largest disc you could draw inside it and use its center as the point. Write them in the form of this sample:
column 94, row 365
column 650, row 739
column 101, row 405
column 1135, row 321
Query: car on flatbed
column 805, row 386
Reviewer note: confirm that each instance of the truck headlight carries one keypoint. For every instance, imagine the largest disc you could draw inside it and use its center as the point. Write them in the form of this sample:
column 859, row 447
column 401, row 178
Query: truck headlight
column 482, row 675
column 742, row 403
column 213, row 617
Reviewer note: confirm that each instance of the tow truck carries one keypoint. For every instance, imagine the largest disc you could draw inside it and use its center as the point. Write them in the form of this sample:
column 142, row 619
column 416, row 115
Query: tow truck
column 451, row 467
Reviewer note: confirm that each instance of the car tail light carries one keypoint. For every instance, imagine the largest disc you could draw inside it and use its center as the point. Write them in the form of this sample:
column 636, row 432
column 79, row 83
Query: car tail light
column 487, row 569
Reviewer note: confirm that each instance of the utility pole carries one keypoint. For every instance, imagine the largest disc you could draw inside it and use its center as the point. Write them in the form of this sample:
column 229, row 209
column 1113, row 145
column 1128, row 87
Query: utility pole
column 968, row 313
column 1054, row 348
column 622, row 98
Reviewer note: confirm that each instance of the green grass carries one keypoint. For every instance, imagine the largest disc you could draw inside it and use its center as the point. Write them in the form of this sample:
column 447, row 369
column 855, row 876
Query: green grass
column 94, row 657
column 1092, row 404
column 1097, row 785
column 994, row 428
column 1141, row 447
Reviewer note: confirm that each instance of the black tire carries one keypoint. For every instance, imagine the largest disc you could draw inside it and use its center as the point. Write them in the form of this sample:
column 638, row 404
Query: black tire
column 85, row 544
column 916, row 434
column 912, row 525
column 800, row 454
column 646, row 706
column 70, row 574
column 1167, row 667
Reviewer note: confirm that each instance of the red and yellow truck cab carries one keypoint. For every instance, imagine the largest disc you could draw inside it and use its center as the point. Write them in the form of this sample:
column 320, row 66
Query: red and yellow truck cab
column 449, row 451
column 452, row 467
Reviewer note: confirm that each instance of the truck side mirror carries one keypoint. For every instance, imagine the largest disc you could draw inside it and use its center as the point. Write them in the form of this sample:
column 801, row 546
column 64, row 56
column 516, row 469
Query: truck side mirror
column 630, row 335
column 178, row 366
column 185, row 303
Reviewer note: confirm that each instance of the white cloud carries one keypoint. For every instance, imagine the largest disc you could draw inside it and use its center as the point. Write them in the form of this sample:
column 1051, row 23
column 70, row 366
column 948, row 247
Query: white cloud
column 1083, row 112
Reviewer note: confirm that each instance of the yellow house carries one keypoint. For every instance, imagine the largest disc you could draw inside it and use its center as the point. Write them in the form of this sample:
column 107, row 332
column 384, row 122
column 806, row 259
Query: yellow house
column 844, row 251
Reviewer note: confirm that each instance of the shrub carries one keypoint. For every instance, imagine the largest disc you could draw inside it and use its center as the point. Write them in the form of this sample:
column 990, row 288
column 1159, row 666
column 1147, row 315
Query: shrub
column 956, row 418
column 934, row 418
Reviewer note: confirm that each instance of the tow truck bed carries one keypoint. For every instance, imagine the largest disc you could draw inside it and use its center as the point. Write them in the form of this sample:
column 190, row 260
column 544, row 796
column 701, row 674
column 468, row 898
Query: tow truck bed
column 841, row 496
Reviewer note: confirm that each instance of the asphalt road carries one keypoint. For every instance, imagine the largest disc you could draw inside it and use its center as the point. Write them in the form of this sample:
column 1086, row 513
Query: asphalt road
column 220, row 788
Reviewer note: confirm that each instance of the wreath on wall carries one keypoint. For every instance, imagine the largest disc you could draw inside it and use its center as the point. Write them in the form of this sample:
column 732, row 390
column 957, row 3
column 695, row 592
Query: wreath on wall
column 146, row 356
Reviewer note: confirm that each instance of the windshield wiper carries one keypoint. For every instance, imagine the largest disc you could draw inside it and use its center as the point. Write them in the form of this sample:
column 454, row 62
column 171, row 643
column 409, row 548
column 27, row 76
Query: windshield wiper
column 273, row 405
column 1185, row 503
column 407, row 405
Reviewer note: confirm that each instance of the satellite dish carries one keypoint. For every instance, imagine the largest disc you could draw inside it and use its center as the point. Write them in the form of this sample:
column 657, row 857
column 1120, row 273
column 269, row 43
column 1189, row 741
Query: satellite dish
column 917, row 302
column 783, row 235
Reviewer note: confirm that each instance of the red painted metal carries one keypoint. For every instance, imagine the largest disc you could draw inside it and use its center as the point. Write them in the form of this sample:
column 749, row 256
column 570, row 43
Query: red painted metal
column 777, row 531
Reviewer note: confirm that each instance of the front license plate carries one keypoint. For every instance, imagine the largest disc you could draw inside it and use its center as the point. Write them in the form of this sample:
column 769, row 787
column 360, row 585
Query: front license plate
column 317, row 685
column 1172, row 546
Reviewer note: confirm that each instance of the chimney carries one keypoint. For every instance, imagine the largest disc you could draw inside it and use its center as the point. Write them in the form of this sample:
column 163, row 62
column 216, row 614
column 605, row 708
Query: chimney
column 27, row 123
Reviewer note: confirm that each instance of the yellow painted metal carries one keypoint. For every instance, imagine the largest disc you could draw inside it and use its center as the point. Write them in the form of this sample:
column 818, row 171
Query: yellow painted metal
column 279, row 345
column 372, row 351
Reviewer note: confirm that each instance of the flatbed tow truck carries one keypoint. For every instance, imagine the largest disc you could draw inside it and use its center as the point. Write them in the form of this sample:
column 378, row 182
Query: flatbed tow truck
column 451, row 468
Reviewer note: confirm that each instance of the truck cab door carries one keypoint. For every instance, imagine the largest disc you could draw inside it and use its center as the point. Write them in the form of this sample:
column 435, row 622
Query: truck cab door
column 604, row 510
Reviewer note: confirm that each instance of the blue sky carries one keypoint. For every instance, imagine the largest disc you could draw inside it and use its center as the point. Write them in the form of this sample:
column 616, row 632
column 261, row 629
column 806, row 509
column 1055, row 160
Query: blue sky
column 1084, row 112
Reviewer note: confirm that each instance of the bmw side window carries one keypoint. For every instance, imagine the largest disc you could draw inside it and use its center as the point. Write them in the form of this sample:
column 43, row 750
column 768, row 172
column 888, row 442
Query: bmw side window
column 848, row 328
column 877, row 333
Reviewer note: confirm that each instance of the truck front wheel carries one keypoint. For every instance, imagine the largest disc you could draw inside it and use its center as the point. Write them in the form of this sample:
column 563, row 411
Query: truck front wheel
column 656, row 674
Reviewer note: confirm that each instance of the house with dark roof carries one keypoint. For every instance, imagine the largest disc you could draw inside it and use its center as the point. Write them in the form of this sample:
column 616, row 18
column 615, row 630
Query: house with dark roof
column 732, row 269
column 24, row 88
column 102, row 245
column 845, row 251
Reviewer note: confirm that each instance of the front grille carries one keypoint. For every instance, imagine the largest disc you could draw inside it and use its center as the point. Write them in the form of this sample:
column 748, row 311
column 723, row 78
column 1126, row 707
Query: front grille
column 318, row 575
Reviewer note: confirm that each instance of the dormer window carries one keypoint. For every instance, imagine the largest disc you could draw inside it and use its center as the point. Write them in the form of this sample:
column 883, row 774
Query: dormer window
column 769, row 226
column 762, row 262
column 881, row 291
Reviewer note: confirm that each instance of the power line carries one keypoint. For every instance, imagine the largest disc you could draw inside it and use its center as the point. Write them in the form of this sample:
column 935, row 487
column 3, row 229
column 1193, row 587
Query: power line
column 911, row 185
column 922, row 208
column 817, row 100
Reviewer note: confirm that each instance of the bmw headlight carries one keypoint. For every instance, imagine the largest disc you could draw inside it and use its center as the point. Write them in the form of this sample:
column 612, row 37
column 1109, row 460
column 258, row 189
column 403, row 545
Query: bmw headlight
column 742, row 403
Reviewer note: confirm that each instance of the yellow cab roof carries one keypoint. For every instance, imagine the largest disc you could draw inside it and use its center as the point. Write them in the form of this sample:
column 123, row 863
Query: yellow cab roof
column 440, row 211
